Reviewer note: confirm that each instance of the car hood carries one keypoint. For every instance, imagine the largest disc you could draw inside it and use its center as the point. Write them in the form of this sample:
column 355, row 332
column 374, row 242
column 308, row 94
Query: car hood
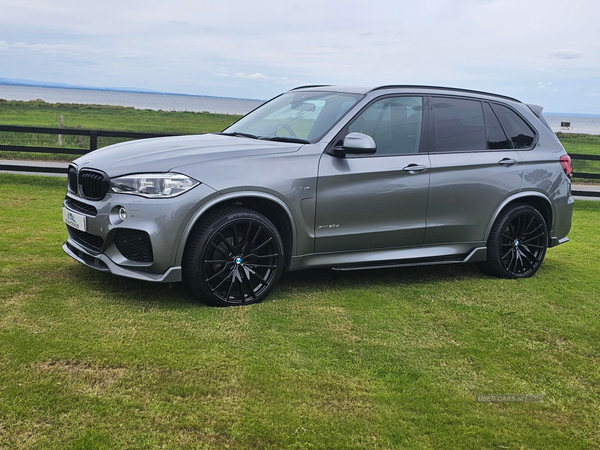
column 164, row 154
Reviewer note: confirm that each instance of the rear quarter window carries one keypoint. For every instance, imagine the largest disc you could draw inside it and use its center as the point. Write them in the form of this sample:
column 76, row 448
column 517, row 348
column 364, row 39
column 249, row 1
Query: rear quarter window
column 519, row 132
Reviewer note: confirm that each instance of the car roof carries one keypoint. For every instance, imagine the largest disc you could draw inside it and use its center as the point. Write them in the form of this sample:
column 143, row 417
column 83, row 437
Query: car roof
column 400, row 88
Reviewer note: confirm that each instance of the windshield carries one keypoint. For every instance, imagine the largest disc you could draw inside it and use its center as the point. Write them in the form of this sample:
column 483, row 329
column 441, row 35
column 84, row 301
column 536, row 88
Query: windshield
column 302, row 116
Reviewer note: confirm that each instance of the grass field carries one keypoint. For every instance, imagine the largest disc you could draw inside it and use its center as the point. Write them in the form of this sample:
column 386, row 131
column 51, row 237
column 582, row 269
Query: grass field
column 586, row 144
column 96, row 117
column 375, row 359
column 39, row 113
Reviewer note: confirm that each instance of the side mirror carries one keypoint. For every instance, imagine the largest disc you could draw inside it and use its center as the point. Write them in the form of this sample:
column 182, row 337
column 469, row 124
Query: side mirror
column 355, row 144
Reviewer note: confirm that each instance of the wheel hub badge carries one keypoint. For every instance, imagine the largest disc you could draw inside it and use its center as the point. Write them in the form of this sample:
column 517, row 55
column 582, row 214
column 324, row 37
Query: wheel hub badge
column 238, row 260
column 516, row 242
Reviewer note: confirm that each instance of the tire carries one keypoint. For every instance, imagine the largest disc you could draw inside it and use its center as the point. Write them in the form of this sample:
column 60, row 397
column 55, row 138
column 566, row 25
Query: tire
column 517, row 243
column 234, row 257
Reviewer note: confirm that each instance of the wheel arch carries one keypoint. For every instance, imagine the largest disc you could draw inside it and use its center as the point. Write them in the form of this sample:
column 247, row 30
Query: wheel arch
column 533, row 198
column 264, row 203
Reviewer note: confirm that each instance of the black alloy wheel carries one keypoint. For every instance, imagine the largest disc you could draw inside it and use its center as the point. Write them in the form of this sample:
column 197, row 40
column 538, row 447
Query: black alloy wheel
column 517, row 243
column 234, row 258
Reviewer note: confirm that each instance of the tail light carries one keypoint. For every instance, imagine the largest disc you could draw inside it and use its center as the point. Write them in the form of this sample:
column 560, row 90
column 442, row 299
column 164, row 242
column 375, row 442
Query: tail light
column 567, row 165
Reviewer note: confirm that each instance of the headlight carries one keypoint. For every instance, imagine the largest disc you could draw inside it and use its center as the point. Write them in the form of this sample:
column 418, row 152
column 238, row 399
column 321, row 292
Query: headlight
column 153, row 185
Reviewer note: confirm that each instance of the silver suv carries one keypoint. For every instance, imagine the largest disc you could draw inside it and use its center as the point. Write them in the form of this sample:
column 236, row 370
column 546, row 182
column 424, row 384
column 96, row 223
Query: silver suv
column 325, row 176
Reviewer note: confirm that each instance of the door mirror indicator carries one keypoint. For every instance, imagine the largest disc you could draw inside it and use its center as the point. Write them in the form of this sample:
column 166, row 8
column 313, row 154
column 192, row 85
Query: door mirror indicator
column 355, row 144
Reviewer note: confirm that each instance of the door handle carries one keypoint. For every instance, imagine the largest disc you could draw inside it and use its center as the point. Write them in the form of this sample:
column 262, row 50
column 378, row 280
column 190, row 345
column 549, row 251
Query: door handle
column 414, row 168
column 507, row 162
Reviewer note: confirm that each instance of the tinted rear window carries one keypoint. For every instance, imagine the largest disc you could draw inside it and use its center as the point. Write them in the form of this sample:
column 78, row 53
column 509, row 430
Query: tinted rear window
column 496, row 139
column 459, row 125
column 521, row 134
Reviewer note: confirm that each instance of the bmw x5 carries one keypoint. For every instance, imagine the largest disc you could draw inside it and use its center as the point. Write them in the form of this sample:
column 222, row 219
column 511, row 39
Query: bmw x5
column 324, row 176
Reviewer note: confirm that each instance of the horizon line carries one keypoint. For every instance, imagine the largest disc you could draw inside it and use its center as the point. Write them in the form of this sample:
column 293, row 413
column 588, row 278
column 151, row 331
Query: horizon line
column 55, row 85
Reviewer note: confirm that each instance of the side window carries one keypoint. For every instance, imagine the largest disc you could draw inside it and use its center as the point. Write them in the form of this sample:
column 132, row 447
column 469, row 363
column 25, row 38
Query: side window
column 521, row 135
column 459, row 125
column 393, row 123
column 496, row 139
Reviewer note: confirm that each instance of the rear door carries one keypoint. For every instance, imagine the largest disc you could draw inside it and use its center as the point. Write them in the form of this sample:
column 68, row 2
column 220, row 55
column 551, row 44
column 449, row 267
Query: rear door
column 376, row 201
column 474, row 167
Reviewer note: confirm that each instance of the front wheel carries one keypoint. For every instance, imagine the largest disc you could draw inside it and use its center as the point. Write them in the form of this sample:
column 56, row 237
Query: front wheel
column 517, row 243
column 234, row 257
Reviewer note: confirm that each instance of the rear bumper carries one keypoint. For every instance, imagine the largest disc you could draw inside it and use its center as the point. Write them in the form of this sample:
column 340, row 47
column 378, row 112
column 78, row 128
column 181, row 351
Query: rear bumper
column 103, row 263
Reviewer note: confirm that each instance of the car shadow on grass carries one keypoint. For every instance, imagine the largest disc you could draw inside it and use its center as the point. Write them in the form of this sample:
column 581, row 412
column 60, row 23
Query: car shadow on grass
column 305, row 282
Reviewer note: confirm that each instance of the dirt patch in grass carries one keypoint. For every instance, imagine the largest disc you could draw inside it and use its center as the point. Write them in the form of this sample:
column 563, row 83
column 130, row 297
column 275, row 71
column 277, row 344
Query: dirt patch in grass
column 86, row 376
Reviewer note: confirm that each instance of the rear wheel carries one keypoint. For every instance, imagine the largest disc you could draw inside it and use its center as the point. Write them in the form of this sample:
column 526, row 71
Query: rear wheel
column 234, row 258
column 517, row 243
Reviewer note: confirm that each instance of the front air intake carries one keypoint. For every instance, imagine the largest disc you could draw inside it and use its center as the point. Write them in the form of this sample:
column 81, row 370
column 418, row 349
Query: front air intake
column 134, row 245
column 88, row 240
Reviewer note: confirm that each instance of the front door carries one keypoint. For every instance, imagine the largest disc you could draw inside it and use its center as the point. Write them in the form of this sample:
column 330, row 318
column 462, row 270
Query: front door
column 380, row 200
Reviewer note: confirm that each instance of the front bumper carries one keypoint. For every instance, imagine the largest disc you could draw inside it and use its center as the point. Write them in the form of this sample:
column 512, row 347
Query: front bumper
column 103, row 263
column 162, row 220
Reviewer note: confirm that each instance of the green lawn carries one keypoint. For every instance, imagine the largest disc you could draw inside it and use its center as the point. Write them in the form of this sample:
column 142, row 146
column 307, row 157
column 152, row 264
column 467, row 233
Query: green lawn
column 96, row 117
column 586, row 144
column 375, row 359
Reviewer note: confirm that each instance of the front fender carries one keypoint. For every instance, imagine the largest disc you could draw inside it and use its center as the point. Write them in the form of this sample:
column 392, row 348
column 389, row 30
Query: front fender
column 228, row 197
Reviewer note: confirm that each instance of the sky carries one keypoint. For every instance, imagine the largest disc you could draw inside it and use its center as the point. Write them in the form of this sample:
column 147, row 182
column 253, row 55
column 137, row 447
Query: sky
column 545, row 52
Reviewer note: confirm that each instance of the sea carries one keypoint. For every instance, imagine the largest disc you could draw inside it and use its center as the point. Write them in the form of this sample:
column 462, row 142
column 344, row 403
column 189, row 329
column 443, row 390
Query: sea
column 578, row 123
column 158, row 102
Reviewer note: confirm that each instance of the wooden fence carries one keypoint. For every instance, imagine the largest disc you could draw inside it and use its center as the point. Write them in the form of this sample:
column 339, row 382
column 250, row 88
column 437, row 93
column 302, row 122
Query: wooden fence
column 95, row 134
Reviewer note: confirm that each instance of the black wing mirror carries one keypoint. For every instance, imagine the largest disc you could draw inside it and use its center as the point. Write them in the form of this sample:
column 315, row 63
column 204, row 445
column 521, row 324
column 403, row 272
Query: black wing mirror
column 355, row 144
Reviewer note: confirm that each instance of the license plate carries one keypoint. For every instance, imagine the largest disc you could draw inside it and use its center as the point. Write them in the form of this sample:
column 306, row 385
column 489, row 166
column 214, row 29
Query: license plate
column 73, row 219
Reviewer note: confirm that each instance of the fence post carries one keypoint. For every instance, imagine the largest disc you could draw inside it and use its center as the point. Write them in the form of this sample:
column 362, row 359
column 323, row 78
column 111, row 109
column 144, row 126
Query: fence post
column 60, row 125
column 93, row 140
column 79, row 138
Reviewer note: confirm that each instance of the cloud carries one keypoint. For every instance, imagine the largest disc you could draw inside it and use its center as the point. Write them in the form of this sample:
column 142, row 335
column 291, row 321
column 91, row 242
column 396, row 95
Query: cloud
column 49, row 49
column 164, row 44
column 566, row 54
column 252, row 76
column 593, row 94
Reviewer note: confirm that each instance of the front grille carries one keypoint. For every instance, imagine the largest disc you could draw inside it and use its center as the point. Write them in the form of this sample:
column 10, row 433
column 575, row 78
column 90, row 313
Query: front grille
column 72, row 178
column 82, row 207
column 92, row 185
column 88, row 240
column 134, row 245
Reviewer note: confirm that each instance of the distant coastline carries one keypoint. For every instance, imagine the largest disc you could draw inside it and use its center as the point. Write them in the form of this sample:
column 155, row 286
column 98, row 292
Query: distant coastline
column 56, row 93
column 157, row 101
column 132, row 90
column 571, row 114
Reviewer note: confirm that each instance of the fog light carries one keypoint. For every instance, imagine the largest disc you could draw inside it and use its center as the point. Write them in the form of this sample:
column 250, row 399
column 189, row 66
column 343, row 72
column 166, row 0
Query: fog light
column 122, row 213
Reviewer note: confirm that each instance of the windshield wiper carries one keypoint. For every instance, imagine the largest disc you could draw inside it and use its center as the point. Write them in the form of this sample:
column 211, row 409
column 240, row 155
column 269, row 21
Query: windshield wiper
column 285, row 139
column 237, row 133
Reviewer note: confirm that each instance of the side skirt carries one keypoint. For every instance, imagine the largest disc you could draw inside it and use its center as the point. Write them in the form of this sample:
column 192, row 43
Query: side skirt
column 471, row 257
column 382, row 258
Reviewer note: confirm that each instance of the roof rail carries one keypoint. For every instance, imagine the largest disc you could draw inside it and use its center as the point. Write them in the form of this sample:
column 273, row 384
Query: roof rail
column 393, row 86
column 310, row 86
